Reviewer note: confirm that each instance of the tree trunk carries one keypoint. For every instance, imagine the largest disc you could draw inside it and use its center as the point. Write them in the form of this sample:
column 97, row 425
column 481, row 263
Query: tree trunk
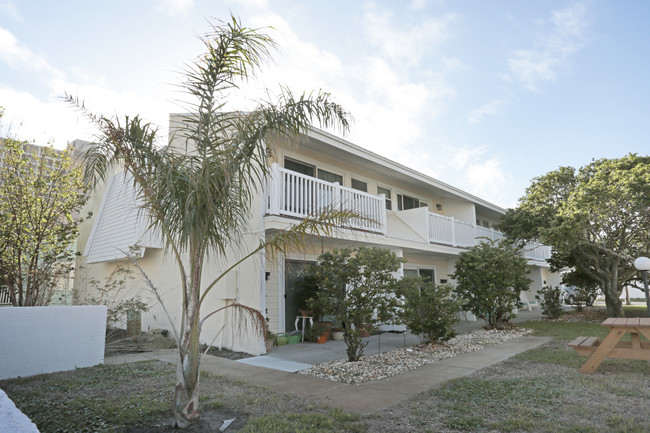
column 627, row 296
column 186, row 400
column 612, row 300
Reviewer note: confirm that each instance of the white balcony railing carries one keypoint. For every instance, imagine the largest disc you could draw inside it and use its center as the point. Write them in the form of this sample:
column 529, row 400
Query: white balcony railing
column 297, row 195
column 458, row 233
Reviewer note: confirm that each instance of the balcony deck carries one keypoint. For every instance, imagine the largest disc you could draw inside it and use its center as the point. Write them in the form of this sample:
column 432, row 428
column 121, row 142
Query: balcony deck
column 297, row 195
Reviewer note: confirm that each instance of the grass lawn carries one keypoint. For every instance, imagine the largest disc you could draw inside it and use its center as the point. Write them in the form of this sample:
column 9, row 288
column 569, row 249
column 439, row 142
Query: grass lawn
column 536, row 391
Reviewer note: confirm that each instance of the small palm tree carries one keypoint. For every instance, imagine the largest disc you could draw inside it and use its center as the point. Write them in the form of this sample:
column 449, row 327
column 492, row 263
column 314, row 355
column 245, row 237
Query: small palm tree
column 199, row 196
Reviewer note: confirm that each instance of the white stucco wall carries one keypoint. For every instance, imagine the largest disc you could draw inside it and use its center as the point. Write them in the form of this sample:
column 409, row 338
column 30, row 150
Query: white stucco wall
column 35, row 340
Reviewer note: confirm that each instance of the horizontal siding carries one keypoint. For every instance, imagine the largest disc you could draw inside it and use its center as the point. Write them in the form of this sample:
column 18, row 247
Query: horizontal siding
column 119, row 224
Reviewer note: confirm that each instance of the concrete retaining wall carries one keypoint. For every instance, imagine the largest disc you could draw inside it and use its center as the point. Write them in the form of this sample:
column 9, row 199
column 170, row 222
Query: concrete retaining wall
column 35, row 340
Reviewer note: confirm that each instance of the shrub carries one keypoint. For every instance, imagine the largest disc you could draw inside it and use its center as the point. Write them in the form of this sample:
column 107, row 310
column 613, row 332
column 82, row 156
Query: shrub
column 550, row 301
column 429, row 309
column 490, row 277
column 357, row 287
column 582, row 297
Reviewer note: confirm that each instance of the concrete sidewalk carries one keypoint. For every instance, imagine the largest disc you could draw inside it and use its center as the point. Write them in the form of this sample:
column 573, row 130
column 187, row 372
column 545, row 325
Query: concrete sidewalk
column 298, row 355
column 362, row 399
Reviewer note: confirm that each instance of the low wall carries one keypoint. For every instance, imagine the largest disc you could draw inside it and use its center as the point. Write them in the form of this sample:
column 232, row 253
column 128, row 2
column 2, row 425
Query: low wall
column 35, row 340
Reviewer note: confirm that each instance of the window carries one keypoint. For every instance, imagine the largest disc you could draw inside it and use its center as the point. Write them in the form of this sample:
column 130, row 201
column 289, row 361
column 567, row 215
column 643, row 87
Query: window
column 299, row 167
column 386, row 192
column 359, row 185
column 423, row 204
column 404, row 202
column 428, row 274
column 330, row 177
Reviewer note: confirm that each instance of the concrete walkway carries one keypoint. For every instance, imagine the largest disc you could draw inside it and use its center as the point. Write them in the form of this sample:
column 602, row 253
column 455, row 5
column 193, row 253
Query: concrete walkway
column 301, row 356
column 362, row 399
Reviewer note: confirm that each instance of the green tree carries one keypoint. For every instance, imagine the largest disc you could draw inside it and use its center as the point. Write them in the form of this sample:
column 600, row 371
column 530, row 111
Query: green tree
column 199, row 196
column 489, row 278
column 357, row 286
column 595, row 218
column 40, row 197
column 430, row 310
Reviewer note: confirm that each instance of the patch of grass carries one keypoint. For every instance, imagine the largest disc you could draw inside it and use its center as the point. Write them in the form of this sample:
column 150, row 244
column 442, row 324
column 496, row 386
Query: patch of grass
column 464, row 423
column 622, row 424
column 555, row 352
column 565, row 330
column 635, row 310
column 514, row 425
column 334, row 421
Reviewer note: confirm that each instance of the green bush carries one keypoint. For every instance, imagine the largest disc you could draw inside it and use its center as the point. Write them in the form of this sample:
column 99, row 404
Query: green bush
column 490, row 277
column 550, row 301
column 429, row 309
column 582, row 297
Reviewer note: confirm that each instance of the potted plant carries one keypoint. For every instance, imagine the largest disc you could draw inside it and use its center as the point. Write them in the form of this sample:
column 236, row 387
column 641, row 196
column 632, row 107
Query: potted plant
column 281, row 339
column 337, row 334
column 318, row 333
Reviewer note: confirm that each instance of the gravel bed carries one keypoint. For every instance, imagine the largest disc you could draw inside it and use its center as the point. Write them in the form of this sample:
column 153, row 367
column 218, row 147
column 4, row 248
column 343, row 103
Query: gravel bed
column 398, row 361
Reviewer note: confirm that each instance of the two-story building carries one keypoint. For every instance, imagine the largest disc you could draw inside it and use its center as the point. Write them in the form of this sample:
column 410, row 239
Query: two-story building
column 423, row 220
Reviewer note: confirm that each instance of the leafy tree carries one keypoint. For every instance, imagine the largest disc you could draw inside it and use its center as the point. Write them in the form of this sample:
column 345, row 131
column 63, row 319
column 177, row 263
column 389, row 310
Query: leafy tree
column 595, row 218
column 489, row 278
column 357, row 286
column 199, row 196
column 40, row 197
column 430, row 310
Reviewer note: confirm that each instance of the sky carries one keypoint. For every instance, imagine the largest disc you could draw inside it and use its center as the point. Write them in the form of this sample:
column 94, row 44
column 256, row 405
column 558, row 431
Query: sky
column 483, row 95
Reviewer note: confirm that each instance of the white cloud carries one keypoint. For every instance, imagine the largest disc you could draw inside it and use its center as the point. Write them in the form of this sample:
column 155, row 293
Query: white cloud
column 174, row 7
column 407, row 43
column 486, row 179
column 18, row 56
column 46, row 118
column 563, row 34
column 260, row 4
column 489, row 109
column 8, row 7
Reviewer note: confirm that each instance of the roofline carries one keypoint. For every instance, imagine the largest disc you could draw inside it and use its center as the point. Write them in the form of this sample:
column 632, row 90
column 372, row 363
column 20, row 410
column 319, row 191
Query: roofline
column 343, row 144
column 367, row 154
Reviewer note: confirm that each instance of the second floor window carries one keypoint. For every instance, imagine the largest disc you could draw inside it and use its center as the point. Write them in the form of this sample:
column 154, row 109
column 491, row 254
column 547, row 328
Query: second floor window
column 404, row 202
column 359, row 185
column 329, row 176
column 299, row 167
column 386, row 192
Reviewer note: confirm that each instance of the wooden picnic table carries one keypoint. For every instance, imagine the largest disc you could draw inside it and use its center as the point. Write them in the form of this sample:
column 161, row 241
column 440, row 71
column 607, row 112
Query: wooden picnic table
column 612, row 346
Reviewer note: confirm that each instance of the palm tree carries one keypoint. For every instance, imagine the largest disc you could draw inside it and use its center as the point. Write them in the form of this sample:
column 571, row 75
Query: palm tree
column 199, row 195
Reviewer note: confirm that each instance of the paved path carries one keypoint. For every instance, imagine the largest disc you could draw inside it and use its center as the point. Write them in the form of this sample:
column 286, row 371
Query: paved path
column 362, row 399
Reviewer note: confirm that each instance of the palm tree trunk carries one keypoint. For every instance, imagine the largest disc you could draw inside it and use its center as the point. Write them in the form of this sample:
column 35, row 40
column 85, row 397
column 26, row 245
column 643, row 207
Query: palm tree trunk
column 186, row 399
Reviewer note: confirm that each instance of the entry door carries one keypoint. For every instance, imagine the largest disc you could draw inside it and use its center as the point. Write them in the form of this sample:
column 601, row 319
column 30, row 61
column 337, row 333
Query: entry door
column 294, row 278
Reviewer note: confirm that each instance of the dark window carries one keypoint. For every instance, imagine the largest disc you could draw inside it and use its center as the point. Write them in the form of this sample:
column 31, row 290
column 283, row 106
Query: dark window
column 386, row 192
column 359, row 185
column 428, row 274
column 299, row 167
column 404, row 202
column 330, row 177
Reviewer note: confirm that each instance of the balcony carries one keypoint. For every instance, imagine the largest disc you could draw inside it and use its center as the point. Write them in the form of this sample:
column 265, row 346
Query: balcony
column 297, row 195
column 458, row 233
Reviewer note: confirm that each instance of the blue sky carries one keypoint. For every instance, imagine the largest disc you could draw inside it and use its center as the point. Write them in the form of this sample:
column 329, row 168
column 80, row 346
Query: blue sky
column 482, row 95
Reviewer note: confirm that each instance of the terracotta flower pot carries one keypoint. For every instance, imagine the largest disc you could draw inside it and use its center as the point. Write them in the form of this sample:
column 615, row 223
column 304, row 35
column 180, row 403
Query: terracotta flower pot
column 269, row 345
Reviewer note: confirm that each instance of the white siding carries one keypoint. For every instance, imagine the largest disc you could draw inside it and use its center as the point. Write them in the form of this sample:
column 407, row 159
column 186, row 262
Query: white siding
column 119, row 225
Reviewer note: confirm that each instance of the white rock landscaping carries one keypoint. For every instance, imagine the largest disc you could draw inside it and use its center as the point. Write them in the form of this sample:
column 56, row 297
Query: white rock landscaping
column 398, row 361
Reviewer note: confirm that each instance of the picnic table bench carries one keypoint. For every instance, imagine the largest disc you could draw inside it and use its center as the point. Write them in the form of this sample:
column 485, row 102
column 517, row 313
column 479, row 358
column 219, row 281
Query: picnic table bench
column 612, row 346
